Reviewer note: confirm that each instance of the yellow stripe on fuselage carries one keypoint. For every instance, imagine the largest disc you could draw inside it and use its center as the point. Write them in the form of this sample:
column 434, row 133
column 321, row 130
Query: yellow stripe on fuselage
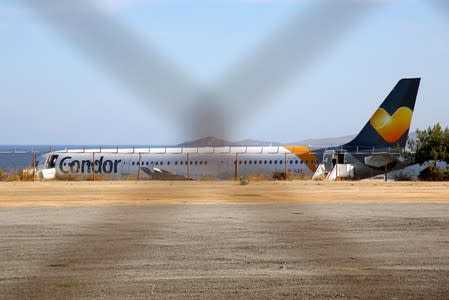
column 305, row 155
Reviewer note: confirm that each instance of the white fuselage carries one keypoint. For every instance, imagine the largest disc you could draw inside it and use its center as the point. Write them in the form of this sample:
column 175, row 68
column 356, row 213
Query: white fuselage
column 188, row 163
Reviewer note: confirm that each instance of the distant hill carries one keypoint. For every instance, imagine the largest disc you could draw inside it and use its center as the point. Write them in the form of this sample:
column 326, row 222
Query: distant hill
column 216, row 142
column 209, row 141
column 325, row 142
column 313, row 143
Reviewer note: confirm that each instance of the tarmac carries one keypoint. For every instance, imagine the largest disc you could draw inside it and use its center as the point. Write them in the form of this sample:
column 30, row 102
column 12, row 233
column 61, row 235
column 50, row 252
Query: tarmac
column 220, row 240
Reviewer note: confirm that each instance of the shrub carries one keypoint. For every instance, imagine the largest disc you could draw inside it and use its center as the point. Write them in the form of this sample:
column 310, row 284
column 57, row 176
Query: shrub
column 433, row 173
column 244, row 180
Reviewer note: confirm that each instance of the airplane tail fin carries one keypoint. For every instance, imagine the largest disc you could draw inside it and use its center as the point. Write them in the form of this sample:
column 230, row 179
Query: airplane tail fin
column 390, row 124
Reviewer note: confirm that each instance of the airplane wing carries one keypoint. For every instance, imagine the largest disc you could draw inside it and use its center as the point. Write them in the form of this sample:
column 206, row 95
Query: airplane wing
column 160, row 174
column 380, row 160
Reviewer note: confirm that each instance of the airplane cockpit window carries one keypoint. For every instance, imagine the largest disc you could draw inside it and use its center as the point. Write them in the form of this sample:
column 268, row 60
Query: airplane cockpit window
column 51, row 162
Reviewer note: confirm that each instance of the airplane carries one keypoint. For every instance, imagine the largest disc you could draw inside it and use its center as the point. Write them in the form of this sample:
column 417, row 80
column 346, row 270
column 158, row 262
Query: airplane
column 376, row 150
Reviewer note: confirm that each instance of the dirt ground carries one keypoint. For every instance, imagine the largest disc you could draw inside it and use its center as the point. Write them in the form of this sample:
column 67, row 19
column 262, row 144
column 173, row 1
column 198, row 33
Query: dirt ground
column 220, row 240
column 60, row 193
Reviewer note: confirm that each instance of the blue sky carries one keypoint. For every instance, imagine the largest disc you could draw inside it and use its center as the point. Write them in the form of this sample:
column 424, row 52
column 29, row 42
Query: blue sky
column 54, row 94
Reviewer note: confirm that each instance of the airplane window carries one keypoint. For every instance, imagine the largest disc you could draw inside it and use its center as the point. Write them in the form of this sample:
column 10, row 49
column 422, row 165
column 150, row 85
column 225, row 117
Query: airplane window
column 191, row 162
column 296, row 161
column 240, row 162
column 235, row 162
column 168, row 163
column 265, row 162
column 162, row 163
column 176, row 163
column 134, row 163
column 271, row 162
column 260, row 162
column 280, row 162
column 148, row 163
column 302, row 162
column 181, row 162
column 157, row 164
column 275, row 162
column 196, row 162
column 201, row 162
column 250, row 162
column 205, row 162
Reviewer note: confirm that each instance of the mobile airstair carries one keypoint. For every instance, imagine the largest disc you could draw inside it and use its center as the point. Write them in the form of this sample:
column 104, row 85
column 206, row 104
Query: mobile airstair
column 333, row 167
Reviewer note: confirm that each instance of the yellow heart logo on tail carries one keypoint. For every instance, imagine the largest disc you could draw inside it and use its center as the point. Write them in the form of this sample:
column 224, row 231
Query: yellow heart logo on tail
column 391, row 128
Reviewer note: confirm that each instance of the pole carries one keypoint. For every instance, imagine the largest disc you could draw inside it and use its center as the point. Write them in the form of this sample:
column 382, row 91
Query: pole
column 336, row 168
column 237, row 166
column 138, row 166
column 93, row 166
column 34, row 165
column 286, row 167
column 188, row 166
column 386, row 171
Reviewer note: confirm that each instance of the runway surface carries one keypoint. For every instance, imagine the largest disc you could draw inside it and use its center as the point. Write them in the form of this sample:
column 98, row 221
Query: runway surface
column 302, row 249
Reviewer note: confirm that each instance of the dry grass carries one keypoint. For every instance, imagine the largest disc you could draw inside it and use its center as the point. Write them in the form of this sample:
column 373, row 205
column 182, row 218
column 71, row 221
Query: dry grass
column 294, row 176
column 73, row 177
column 19, row 175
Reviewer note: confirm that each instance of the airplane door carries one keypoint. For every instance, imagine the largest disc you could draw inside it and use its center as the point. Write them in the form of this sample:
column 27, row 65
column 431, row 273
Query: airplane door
column 125, row 166
column 328, row 158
